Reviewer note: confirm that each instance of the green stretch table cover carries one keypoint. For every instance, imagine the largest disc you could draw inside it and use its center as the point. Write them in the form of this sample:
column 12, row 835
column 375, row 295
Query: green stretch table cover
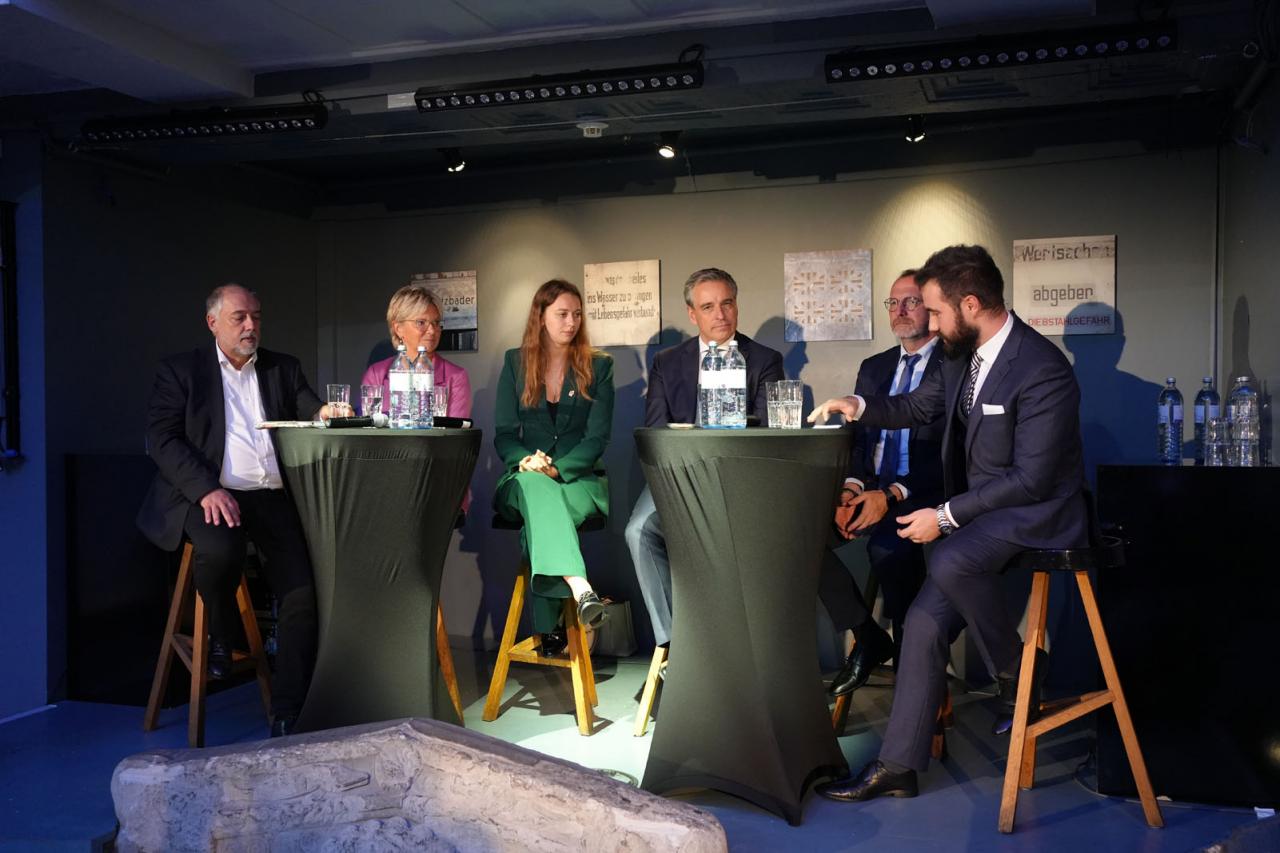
column 378, row 508
column 745, row 514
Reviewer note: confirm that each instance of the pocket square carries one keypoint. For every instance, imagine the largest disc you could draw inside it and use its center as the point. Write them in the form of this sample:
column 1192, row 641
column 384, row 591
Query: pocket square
column 989, row 409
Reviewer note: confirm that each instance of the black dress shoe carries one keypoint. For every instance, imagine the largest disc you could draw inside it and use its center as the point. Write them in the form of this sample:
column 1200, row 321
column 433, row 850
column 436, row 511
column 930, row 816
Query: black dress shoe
column 1003, row 723
column 219, row 664
column 875, row 780
column 591, row 610
column 873, row 649
column 282, row 726
column 552, row 643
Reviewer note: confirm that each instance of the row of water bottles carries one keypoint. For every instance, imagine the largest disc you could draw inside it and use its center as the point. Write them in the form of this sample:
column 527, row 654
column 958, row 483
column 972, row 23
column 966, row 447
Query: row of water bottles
column 411, row 385
column 722, row 388
column 1235, row 439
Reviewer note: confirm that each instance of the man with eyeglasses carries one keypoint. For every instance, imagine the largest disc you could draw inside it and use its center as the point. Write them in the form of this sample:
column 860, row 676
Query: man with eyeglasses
column 888, row 469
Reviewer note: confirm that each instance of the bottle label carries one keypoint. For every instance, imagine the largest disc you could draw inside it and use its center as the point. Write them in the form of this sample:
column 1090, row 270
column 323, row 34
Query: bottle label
column 711, row 379
column 735, row 379
column 1166, row 414
column 398, row 381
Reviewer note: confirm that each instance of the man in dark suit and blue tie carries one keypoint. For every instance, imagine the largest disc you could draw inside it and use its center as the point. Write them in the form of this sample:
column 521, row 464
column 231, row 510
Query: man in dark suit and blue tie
column 1013, row 476
column 711, row 297
column 899, row 469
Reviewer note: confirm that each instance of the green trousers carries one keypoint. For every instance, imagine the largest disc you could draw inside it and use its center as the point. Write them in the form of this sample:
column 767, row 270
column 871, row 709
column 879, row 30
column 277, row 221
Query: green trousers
column 551, row 512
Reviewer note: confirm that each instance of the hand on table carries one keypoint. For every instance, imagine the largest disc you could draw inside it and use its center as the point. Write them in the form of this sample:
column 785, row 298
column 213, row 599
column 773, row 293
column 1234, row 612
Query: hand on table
column 846, row 406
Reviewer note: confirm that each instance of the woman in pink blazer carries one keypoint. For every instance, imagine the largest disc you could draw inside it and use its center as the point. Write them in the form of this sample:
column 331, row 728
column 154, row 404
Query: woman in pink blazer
column 413, row 318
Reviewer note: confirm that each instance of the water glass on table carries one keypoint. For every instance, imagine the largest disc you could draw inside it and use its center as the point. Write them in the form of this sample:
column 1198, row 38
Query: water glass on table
column 440, row 401
column 339, row 401
column 785, row 400
column 370, row 399
column 1216, row 442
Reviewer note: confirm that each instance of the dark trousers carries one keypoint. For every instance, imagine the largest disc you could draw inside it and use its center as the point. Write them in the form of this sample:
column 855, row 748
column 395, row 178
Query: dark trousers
column 962, row 588
column 898, row 564
column 267, row 517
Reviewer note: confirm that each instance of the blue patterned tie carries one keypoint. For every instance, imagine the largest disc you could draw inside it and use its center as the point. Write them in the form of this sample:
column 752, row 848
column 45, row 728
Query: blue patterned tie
column 893, row 440
column 975, row 365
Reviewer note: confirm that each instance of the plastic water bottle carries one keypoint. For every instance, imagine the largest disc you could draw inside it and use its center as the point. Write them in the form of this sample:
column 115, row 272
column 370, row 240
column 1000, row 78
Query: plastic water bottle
column 422, row 384
column 1246, row 423
column 398, row 380
column 709, row 401
column 1208, row 405
column 734, row 389
column 1169, row 423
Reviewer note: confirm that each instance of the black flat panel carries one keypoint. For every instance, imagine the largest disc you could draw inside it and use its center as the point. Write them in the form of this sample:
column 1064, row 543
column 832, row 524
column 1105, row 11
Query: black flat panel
column 1193, row 626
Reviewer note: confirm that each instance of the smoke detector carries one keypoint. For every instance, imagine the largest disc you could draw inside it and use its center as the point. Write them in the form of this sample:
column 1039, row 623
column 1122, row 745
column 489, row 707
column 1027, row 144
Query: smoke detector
column 592, row 127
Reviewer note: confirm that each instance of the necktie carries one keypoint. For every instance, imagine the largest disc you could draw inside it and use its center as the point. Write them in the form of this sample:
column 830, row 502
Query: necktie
column 975, row 364
column 893, row 439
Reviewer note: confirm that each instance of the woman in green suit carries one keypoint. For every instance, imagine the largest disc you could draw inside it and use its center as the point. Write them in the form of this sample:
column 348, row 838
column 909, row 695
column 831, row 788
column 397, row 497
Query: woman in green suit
column 553, row 418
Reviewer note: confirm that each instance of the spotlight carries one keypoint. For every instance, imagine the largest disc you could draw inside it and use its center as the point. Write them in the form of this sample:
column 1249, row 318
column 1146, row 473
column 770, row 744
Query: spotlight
column 915, row 129
column 189, row 124
column 667, row 146
column 453, row 161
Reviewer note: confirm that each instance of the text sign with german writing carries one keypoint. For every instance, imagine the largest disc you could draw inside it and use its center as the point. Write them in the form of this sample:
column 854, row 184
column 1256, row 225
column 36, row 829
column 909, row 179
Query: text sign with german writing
column 622, row 302
column 456, row 293
column 1066, row 285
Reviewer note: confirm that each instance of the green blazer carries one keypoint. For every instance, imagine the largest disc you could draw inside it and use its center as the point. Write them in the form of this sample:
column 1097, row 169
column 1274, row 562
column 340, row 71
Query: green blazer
column 575, row 440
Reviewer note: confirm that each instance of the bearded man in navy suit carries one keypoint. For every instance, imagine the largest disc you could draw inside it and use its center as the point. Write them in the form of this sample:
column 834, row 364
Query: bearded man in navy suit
column 1013, row 477
column 711, row 297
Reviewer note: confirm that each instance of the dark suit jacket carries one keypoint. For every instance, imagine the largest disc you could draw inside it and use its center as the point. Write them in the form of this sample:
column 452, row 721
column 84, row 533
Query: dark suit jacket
column 187, row 430
column 672, row 396
column 1022, row 468
column 575, row 440
column 924, row 446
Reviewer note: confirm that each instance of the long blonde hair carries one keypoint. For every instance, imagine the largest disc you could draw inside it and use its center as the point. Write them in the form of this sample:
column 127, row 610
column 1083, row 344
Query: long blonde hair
column 533, row 350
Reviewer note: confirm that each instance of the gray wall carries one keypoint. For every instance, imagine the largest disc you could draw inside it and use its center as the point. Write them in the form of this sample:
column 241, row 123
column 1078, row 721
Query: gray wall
column 1162, row 207
column 1250, row 292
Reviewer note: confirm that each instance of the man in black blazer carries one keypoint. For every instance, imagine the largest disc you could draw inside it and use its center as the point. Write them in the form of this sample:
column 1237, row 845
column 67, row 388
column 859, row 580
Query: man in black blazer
column 711, row 298
column 219, row 481
column 901, row 469
column 1013, row 476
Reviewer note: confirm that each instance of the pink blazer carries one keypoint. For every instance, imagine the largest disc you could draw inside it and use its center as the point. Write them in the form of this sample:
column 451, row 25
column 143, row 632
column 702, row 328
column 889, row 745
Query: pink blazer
column 446, row 373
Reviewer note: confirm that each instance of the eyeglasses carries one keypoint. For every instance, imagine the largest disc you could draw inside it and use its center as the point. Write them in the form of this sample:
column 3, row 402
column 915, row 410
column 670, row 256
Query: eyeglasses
column 911, row 303
column 423, row 325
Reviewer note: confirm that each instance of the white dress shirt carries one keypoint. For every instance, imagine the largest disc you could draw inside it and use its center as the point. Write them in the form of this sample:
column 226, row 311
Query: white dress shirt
column 904, row 436
column 249, row 457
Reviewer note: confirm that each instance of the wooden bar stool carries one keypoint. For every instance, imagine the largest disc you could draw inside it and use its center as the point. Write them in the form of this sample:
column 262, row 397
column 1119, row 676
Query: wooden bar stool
column 577, row 659
column 650, row 690
column 193, row 650
column 1107, row 553
column 443, row 653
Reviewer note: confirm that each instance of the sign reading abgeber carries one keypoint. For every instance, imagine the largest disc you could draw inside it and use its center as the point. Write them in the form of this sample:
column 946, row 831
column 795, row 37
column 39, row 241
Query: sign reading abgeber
column 622, row 302
column 1066, row 285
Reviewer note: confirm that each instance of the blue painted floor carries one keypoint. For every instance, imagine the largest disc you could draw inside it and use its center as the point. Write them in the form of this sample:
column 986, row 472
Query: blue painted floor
column 56, row 764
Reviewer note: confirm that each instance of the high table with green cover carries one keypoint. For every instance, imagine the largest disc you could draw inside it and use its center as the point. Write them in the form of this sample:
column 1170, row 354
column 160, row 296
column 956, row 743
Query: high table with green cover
column 378, row 508
column 745, row 514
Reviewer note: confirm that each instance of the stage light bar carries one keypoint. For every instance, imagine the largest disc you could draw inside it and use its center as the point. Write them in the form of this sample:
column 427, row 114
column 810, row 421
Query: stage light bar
column 244, row 121
column 860, row 66
column 561, row 87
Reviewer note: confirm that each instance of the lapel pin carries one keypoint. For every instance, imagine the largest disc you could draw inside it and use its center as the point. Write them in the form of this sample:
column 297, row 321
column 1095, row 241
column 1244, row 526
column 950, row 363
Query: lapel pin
column 571, row 393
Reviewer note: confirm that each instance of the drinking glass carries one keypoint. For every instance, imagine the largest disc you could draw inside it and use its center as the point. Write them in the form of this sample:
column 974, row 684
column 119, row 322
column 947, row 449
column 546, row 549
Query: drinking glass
column 370, row 399
column 1216, row 442
column 339, row 401
column 785, row 400
column 440, row 401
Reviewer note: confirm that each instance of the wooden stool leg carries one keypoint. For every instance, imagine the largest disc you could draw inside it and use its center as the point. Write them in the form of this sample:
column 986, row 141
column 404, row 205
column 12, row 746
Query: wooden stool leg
column 650, row 691
column 501, row 666
column 445, row 656
column 256, row 651
column 581, row 674
column 938, row 746
column 165, row 664
column 1137, row 765
column 840, row 713
column 588, row 668
column 1018, row 737
column 199, row 677
column 1027, row 778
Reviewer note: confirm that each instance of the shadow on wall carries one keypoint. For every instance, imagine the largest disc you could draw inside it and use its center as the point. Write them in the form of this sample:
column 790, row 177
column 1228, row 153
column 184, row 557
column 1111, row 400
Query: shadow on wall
column 1117, row 409
column 795, row 354
column 1240, row 365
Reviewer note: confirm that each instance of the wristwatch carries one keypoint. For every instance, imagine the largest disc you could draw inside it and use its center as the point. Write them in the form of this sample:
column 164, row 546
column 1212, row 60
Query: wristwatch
column 945, row 527
column 890, row 496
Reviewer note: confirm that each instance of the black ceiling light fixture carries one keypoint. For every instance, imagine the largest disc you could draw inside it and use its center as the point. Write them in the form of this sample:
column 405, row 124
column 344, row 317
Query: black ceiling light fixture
column 667, row 144
column 203, row 124
column 685, row 73
column 861, row 66
column 453, row 161
column 915, row 128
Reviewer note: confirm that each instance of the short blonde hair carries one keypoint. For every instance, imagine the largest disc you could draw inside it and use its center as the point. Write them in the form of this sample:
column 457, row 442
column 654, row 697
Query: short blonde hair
column 406, row 302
